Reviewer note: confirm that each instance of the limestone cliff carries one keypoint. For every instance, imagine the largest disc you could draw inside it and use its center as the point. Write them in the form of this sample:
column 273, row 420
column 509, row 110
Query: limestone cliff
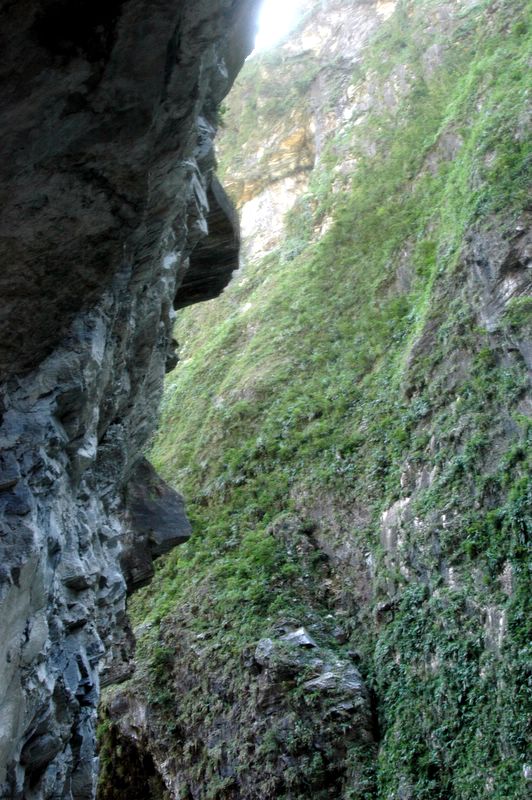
column 351, row 423
column 111, row 216
column 287, row 105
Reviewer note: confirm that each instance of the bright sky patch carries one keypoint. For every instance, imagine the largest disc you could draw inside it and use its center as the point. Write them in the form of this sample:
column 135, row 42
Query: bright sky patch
column 276, row 18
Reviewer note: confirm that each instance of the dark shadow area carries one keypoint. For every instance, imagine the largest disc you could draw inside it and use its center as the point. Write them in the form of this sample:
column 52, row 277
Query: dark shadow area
column 126, row 770
column 83, row 28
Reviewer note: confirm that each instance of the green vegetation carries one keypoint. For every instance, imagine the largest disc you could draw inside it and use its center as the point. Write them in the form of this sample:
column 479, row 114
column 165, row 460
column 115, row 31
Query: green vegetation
column 124, row 770
column 345, row 375
column 518, row 314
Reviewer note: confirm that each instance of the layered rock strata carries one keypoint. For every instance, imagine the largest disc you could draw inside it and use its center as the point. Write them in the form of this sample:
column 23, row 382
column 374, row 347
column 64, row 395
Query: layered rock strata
column 108, row 197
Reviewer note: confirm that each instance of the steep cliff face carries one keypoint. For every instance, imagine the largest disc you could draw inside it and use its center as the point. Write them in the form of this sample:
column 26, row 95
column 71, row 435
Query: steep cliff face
column 106, row 179
column 351, row 421
column 286, row 107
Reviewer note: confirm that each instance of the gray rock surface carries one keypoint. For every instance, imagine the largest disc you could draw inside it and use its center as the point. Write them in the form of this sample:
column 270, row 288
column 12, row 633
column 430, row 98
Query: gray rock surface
column 106, row 186
column 156, row 523
column 299, row 638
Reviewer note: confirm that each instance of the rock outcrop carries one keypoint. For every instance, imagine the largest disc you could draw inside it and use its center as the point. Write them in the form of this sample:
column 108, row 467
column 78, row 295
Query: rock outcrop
column 252, row 739
column 109, row 207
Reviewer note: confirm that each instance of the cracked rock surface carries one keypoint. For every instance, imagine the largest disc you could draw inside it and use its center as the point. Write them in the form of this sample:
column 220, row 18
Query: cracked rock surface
column 109, row 205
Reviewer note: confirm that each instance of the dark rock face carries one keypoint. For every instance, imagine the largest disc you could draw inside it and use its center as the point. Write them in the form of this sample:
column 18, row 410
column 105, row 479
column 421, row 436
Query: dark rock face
column 157, row 523
column 108, row 115
column 100, row 118
column 215, row 256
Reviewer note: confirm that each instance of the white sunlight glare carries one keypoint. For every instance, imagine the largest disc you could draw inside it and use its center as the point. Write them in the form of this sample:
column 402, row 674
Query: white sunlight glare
column 276, row 18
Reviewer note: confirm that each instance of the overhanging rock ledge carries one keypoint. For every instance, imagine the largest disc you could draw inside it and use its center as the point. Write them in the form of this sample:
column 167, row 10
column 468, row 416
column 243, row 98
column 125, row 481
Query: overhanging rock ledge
column 107, row 194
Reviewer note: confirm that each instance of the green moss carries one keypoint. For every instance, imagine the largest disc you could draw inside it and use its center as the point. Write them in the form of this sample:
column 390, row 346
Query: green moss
column 126, row 770
column 518, row 313
column 320, row 381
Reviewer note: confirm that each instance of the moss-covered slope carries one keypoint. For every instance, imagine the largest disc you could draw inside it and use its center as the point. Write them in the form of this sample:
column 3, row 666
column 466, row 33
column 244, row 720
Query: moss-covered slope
column 350, row 424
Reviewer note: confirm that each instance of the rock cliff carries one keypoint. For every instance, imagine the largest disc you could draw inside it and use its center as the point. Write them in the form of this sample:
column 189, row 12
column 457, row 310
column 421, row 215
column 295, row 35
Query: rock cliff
column 111, row 218
column 287, row 106
column 350, row 423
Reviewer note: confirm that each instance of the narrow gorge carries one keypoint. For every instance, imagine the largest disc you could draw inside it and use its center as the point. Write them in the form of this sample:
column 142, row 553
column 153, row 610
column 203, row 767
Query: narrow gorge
column 298, row 566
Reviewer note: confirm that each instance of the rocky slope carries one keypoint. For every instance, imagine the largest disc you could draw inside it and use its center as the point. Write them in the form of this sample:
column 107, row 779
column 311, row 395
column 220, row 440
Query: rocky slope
column 351, row 423
column 110, row 217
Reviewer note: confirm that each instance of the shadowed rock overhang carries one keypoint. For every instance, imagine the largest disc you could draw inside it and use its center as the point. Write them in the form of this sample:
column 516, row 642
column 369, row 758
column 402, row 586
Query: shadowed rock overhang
column 107, row 196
